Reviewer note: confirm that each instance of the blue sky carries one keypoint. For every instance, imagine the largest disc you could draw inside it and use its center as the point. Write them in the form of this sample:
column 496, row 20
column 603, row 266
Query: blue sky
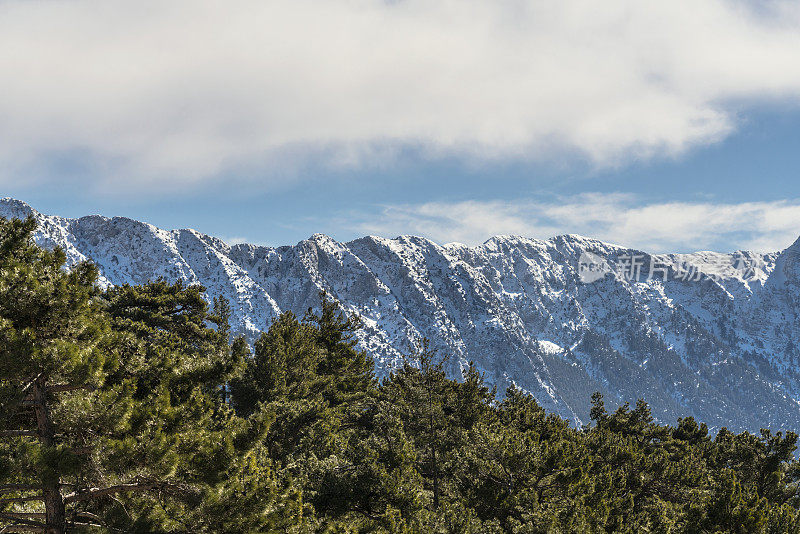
column 666, row 127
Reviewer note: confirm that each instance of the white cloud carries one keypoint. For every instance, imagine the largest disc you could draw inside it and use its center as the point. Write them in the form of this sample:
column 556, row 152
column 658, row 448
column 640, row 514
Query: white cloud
column 166, row 93
column 616, row 218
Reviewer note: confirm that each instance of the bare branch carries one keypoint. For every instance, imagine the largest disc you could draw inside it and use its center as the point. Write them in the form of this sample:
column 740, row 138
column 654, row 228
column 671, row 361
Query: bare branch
column 27, row 386
column 5, row 488
column 59, row 388
column 22, row 499
column 96, row 493
column 88, row 515
column 25, row 515
column 23, row 528
column 21, row 523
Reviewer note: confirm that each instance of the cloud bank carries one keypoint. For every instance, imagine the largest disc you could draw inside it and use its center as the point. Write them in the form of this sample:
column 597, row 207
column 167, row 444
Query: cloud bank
column 160, row 94
column 616, row 218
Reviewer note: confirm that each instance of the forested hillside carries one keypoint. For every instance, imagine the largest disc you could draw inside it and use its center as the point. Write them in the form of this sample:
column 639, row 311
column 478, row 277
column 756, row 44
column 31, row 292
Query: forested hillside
column 131, row 409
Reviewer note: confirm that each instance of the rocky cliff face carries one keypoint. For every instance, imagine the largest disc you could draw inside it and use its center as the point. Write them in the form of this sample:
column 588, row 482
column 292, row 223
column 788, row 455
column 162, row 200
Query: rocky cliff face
column 715, row 336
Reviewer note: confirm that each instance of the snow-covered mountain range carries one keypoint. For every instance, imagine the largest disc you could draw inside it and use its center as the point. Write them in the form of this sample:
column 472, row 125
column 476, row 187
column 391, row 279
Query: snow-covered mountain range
column 715, row 336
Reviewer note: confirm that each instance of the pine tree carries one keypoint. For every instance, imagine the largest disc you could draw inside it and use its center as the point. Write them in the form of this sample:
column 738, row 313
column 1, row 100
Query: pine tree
column 54, row 349
column 350, row 372
column 422, row 397
column 226, row 478
column 113, row 414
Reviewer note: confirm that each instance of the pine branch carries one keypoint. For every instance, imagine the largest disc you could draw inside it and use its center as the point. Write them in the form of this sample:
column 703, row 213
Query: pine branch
column 96, row 493
column 17, row 433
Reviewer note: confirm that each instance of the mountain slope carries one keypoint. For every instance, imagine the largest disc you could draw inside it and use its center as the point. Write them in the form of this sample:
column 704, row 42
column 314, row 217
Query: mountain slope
column 716, row 337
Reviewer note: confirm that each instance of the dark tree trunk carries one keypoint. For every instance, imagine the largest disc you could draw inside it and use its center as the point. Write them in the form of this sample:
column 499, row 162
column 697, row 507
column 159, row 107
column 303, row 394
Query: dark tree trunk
column 435, row 481
column 53, row 500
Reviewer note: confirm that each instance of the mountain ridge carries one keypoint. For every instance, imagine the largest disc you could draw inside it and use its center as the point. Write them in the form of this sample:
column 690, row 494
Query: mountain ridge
column 722, row 347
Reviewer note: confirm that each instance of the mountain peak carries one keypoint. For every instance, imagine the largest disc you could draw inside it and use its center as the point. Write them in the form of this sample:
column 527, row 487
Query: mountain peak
column 15, row 208
column 787, row 265
column 318, row 236
column 794, row 246
column 580, row 241
column 323, row 240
